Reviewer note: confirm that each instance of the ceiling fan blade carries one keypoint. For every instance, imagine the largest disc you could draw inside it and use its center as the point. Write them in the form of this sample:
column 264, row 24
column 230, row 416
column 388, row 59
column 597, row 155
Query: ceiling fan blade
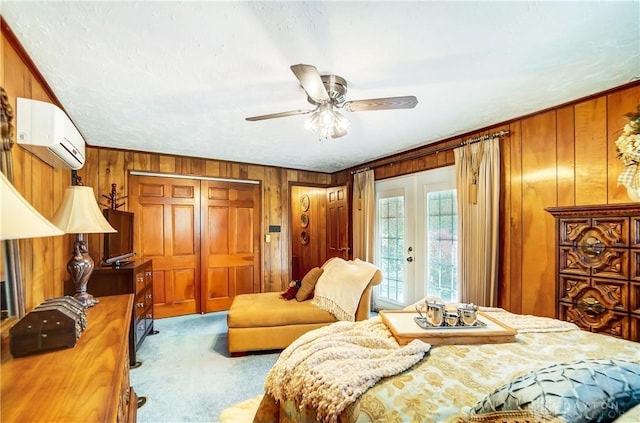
column 407, row 102
column 311, row 82
column 277, row 115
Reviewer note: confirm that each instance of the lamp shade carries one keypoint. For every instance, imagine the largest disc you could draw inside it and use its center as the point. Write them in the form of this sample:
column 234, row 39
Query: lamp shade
column 327, row 122
column 79, row 212
column 18, row 218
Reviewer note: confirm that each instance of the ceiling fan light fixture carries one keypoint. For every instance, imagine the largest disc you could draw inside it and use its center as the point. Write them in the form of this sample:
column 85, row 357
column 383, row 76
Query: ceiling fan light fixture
column 327, row 122
column 327, row 94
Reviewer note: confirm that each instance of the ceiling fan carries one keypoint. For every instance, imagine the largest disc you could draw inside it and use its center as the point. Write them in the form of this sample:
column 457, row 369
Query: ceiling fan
column 327, row 94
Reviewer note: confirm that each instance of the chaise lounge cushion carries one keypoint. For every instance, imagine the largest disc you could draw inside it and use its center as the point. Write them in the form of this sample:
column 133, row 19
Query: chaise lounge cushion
column 267, row 309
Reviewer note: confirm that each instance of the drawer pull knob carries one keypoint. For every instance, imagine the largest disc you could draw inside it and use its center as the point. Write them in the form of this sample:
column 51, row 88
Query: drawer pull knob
column 591, row 306
column 592, row 247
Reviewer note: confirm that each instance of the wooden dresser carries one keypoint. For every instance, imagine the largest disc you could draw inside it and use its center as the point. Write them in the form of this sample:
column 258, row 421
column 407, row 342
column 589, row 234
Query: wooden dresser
column 598, row 268
column 86, row 383
column 135, row 278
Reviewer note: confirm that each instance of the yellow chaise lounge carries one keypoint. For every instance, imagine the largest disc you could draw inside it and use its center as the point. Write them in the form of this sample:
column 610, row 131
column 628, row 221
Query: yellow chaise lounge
column 264, row 321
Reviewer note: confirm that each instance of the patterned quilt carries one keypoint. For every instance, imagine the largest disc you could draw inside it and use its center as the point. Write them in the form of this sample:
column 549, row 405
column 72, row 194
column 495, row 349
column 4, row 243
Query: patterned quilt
column 451, row 379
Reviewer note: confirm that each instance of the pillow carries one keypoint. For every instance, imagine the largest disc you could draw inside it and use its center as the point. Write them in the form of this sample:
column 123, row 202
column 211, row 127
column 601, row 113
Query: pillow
column 308, row 284
column 578, row 391
column 631, row 416
column 521, row 416
column 291, row 292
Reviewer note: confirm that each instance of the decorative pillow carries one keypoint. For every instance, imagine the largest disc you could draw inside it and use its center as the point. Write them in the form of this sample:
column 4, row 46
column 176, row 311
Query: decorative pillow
column 291, row 292
column 520, row 416
column 631, row 416
column 578, row 391
column 308, row 284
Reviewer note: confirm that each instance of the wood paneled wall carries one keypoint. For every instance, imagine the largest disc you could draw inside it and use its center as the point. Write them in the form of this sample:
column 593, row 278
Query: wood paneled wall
column 561, row 156
column 557, row 157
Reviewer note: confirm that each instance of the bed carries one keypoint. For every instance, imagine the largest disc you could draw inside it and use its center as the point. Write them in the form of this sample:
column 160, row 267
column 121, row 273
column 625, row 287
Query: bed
column 317, row 379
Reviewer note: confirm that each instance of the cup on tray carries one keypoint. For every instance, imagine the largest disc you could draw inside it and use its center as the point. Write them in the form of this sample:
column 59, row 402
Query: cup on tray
column 435, row 314
column 451, row 319
column 432, row 312
column 468, row 314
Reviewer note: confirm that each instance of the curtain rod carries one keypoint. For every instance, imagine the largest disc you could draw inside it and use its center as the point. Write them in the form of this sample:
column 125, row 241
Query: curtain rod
column 438, row 150
column 364, row 169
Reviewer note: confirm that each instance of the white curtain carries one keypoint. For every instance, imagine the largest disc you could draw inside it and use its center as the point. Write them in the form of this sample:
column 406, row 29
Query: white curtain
column 478, row 192
column 363, row 214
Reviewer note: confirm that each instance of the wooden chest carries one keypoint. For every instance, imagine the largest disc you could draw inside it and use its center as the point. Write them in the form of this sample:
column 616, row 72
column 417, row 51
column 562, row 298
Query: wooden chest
column 598, row 268
column 56, row 323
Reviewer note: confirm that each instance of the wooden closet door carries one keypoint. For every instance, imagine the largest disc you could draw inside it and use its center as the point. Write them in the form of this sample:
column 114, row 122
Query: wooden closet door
column 167, row 230
column 230, row 242
column 337, row 222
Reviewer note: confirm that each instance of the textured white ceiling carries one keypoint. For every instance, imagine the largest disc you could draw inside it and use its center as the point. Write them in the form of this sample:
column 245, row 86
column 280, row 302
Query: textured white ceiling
column 180, row 77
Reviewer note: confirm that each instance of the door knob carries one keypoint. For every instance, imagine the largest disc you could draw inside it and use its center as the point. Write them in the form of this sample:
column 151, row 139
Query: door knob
column 409, row 259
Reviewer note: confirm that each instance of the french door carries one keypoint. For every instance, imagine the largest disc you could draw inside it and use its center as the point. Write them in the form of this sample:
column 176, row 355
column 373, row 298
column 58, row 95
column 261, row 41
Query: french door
column 416, row 238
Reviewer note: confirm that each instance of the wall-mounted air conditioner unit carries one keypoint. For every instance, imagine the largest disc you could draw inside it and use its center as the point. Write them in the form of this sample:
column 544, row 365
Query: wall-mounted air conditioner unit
column 46, row 130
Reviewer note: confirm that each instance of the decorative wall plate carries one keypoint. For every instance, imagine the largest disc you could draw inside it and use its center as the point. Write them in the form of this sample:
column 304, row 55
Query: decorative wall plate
column 304, row 238
column 304, row 202
column 304, row 220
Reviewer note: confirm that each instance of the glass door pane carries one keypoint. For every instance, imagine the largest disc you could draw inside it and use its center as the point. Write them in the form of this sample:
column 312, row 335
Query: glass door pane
column 442, row 245
column 391, row 238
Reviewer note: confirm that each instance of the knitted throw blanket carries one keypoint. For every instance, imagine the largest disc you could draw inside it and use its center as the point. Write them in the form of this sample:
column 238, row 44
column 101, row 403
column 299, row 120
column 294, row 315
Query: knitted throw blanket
column 327, row 369
column 341, row 285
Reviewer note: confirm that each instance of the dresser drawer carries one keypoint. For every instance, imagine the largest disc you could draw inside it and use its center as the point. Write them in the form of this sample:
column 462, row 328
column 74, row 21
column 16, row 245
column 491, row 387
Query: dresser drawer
column 635, row 265
column 608, row 322
column 634, row 297
column 609, row 263
column 634, row 327
column 610, row 293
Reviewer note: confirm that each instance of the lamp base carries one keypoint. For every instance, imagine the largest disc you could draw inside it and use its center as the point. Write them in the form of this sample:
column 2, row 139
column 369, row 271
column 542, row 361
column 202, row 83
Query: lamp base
column 86, row 299
column 80, row 267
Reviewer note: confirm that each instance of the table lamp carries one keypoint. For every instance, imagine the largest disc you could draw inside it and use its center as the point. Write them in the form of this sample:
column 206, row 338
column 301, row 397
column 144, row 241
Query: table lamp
column 79, row 214
column 18, row 218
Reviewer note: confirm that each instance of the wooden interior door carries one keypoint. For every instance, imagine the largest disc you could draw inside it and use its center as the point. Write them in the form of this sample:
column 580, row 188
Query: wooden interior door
column 308, row 228
column 230, row 242
column 167, row 230
column 337, row 222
